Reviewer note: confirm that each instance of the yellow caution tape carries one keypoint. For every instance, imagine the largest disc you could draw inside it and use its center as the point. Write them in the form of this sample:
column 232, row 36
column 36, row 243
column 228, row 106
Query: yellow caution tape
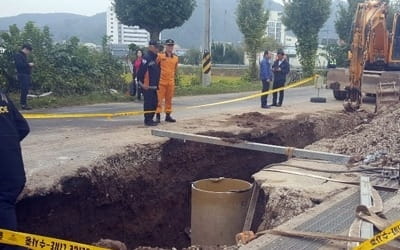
column 133, row 113
column 83, row 115
column 60, row 116
column 37, row 242
column 382, row 238
column 258, row 94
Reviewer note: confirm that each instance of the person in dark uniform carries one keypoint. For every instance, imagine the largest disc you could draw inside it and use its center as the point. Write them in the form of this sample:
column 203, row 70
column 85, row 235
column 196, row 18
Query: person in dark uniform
column 149, row 77
column 13, row 129
column 24, row 73
column 280, row 68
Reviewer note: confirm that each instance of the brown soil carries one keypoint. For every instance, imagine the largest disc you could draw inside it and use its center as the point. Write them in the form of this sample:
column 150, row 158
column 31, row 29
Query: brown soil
column 142, row 196
column 256, row 119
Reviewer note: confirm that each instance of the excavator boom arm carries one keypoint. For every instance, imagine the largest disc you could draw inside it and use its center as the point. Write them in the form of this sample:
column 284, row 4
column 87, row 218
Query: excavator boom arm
column 370, row 46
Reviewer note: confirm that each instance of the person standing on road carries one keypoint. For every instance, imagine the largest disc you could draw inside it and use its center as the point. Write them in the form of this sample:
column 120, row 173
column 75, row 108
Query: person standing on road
column 13, row 129
column 266, row 77
column 169, row 65
column 148, row 78
column 136, row 66
column 280, row 68
column 24, row 70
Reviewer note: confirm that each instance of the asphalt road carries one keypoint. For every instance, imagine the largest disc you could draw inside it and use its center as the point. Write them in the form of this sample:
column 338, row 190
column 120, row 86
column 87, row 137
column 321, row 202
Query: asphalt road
column 58, row 147
column 292, row 96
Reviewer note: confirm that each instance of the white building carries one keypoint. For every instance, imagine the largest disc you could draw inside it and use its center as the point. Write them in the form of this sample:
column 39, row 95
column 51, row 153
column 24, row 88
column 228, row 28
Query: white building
column 290, row 41
column 92, row 46
column 122, row 34
column 275, row 28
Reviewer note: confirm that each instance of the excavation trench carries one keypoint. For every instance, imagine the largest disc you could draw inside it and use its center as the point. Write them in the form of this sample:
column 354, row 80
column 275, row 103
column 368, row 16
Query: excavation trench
column 142, row 195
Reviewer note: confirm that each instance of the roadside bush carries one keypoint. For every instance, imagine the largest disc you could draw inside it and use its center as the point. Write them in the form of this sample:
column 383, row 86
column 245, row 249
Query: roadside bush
column 67, row 68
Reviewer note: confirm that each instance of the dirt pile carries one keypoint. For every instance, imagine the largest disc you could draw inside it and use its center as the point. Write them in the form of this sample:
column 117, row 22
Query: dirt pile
column 375, row 144
column 256, row 119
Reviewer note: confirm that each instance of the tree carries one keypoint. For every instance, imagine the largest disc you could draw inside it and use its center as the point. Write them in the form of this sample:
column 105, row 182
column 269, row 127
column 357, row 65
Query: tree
column 336, row 53
column 154, row 15
column 10, row 42
column 251, row 17
column 345, row 19
column 133, row 47
column 227, row 54
column 271, row 44
column 192, row 57
column 305, row 19
column 67, row 68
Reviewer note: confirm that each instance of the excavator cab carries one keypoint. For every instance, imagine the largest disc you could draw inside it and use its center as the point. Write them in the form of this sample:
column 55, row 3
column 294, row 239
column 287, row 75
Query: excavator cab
column 395, row 50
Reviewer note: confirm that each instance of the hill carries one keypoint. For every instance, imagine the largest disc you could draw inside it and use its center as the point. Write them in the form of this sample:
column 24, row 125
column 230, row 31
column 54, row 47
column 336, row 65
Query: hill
column 63, row 25
column 93, row 28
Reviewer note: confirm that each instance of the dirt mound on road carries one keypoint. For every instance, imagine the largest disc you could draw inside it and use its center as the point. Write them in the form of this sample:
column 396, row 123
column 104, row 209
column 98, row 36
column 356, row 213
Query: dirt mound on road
column 256, row 119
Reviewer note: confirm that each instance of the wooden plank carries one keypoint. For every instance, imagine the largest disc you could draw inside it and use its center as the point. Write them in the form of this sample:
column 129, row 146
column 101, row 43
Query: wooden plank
column 289, row 151
column 252, row 207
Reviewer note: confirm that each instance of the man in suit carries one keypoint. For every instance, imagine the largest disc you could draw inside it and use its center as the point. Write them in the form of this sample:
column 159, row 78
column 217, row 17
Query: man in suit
column 266, row 77
column 24, row 70
column 280, row 68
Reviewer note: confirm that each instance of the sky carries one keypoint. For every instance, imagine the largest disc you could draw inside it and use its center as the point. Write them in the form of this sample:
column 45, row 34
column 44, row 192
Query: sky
column 83, row 7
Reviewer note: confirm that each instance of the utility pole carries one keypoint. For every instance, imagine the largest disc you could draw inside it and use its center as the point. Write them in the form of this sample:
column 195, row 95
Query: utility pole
column 206, row 62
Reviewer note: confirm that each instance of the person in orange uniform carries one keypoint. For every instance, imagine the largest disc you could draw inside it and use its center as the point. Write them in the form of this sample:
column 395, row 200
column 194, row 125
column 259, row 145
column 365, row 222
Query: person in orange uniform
column 168, row 63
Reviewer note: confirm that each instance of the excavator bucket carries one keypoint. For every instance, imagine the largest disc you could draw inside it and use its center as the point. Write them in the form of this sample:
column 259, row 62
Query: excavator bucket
column 387, row 93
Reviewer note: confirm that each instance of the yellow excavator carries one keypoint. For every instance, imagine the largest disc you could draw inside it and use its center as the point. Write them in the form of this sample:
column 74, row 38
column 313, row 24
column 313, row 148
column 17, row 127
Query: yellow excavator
column 374, row 59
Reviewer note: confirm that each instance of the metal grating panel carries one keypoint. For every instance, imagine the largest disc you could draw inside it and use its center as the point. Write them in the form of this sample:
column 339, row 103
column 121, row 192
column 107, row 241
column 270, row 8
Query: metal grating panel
column 337, row 219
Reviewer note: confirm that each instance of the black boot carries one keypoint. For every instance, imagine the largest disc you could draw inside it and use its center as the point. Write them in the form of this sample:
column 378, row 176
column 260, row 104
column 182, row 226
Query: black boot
column 168, row 118
column 158, row 118
column 150, row 123
column 25, row 107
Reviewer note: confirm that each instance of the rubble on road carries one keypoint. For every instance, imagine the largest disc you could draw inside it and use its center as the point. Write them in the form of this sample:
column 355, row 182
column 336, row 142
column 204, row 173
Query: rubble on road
column 375, row 144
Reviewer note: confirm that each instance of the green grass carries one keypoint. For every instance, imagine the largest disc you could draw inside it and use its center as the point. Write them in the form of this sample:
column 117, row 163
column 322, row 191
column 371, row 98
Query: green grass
column 191, row 85
column 218, row 87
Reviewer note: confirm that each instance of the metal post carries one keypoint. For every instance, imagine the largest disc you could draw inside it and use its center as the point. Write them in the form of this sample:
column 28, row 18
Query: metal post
column 289, row 151
column 206, row 62
column 367, row 229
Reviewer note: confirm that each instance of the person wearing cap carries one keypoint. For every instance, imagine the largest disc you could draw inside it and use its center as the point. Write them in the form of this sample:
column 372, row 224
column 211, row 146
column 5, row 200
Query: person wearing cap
column 13, row 129
column 168, row 64
column 148, row 78
column 280, row 68
column 24, row 69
